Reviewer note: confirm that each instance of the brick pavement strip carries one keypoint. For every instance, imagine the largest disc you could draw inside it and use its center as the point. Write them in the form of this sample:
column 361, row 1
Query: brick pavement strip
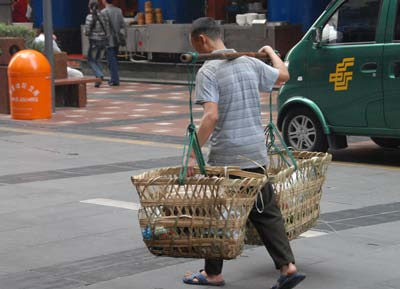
column 88, row 271
column 89, row 170
column 111, row 109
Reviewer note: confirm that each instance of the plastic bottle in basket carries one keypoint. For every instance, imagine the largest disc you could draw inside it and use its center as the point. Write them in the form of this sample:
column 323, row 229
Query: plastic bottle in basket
column 147, row 234
column 160, row 233
column 233, row 214
column 220, row 233
column 212, row 233
column 233, row 234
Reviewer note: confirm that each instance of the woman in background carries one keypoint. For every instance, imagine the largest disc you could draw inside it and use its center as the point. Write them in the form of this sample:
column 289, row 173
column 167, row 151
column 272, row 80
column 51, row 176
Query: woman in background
column 97, row 30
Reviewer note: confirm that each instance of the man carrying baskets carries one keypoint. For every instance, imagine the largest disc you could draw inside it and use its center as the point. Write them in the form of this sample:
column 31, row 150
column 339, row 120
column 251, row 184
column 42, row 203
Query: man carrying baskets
column 228, row 90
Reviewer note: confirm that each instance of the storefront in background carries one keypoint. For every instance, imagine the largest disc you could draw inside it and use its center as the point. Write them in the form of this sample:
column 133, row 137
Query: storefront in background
column 69, row 15
column 303, row 12
column 5, row 11
column 180, row 11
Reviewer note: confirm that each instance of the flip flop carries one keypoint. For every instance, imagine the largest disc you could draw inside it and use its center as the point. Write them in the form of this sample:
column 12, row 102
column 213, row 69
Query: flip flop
column 288, row 281
column 200, row 279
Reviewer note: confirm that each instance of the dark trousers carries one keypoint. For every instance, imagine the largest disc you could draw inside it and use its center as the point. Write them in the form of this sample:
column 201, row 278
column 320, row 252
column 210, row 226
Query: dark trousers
column 270, row 227
column 112, row 60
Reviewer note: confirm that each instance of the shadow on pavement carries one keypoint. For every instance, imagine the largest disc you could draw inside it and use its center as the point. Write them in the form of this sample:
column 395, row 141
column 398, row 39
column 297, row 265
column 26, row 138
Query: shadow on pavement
column 368, row 153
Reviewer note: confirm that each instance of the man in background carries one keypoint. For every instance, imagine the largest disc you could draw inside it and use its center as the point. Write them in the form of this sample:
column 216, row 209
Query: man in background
column 117, row 30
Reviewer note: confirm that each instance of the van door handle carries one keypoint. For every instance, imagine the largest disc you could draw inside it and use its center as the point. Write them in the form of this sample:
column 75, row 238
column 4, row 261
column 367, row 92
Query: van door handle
column 369, row 67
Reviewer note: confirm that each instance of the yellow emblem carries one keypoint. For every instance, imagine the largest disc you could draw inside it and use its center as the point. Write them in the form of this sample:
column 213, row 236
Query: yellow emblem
column 342, row 77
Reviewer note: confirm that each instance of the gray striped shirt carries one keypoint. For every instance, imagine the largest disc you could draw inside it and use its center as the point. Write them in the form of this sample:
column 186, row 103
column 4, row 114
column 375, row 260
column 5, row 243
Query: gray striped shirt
column 100, row 30
column 235, row 85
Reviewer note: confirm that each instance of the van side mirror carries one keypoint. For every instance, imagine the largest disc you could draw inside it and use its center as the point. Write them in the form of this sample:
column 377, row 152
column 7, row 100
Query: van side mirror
column 316, row 36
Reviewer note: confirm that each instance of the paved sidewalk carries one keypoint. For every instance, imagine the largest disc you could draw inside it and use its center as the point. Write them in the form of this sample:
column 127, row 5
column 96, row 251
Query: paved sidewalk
column 68, row 212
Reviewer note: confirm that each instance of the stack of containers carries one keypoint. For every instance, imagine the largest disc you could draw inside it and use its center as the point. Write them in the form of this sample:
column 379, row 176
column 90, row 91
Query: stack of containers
column 180, row 11
column 159, row 16
column 148, row 9
column 141, row 18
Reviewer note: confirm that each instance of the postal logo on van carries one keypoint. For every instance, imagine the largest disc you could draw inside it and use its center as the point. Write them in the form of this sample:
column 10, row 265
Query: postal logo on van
column 342, row 77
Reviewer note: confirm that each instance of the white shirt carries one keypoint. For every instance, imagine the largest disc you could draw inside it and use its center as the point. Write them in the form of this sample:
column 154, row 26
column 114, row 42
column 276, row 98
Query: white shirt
column 40, row 39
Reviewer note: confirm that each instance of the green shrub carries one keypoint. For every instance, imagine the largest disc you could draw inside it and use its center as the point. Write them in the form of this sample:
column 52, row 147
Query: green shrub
column 18, row 31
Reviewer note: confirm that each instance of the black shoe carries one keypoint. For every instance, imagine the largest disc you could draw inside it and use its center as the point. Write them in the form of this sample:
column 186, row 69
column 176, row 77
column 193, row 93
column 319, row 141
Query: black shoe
column 113, row 84
column 97, row 84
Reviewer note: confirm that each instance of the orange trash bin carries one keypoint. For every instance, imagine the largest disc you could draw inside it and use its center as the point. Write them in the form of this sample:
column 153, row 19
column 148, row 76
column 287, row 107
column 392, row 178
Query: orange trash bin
column 29, row 82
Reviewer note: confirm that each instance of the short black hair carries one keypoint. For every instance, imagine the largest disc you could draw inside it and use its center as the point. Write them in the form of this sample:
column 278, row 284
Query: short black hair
column 109, row 1
column 207, row 26
column 93, row 5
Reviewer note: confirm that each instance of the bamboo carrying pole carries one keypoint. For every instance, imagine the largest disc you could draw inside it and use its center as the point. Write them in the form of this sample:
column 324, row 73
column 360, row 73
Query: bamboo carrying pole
column 189, row 57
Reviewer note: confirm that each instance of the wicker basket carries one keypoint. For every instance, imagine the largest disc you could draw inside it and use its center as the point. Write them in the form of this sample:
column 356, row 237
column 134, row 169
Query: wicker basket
column 298, row 192
column 204, row 217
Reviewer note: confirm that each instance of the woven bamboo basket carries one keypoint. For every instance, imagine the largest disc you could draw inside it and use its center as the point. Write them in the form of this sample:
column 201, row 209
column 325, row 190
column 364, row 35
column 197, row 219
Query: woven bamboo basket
column 298, row 192
column 204, row 217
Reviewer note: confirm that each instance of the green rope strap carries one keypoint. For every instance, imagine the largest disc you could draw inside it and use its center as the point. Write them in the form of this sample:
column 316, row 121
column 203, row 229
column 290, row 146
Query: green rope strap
column 271, row 131
column 191, row 139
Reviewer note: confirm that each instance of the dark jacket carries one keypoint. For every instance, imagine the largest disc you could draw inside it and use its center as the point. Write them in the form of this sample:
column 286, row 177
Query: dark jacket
column 116, row 23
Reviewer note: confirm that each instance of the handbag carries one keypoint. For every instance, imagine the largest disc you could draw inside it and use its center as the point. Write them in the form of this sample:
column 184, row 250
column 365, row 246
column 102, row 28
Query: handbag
column 120, row 38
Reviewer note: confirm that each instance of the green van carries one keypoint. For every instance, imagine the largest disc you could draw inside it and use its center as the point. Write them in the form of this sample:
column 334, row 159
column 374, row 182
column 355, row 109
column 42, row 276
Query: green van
column 345, row 78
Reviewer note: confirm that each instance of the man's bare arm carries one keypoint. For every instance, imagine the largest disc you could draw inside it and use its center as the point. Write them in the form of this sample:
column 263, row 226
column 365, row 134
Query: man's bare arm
column 277, row 63
column 207, row 126
column 208, row 122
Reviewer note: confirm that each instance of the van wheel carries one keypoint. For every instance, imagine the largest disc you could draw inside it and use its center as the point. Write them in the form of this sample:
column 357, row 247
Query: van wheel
column 386, row 142
column 303, row 131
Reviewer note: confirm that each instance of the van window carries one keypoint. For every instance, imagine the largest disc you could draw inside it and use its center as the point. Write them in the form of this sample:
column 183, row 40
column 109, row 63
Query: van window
column 354, row 21
column 397, row 27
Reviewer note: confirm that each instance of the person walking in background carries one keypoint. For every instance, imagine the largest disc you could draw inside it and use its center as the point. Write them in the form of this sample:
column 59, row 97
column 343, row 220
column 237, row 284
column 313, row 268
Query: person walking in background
column 229, row 91
column 97, row 30
column 19, row 11
column 117, row 32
